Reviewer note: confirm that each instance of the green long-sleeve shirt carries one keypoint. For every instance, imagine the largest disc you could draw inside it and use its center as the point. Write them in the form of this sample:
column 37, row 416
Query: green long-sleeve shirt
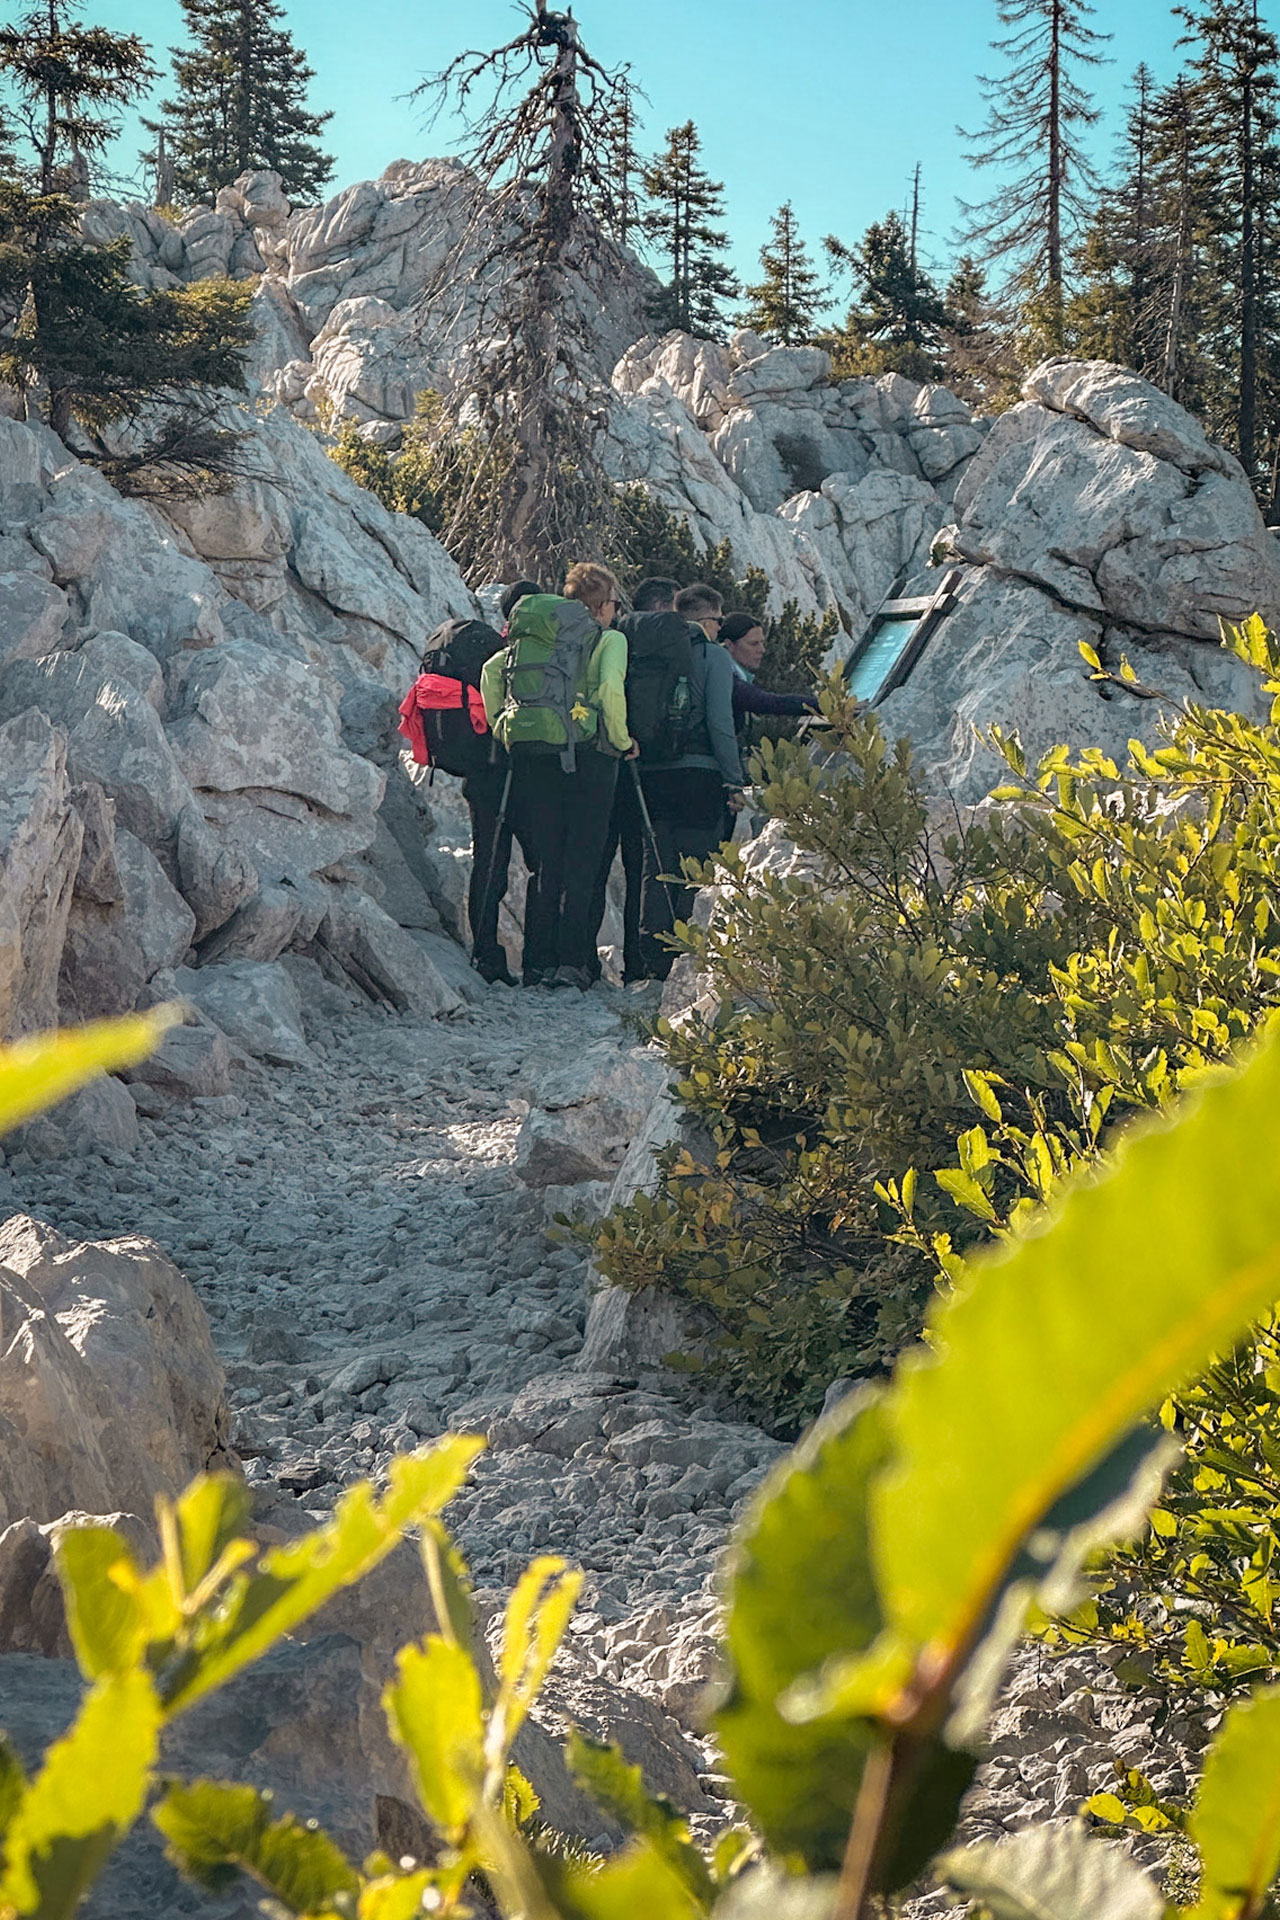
column 606, row 688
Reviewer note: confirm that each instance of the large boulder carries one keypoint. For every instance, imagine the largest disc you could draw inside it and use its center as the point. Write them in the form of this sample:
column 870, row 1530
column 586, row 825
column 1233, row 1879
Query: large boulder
column 263, row 731
column 110, row 1390
column 256, row 1005
column 1101, row 490
column 384, row 960
column 40, row 842
column 588, row 1111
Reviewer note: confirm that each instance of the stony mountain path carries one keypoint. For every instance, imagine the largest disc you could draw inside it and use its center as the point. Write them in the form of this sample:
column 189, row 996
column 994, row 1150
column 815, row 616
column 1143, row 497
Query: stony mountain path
column 375, row 1272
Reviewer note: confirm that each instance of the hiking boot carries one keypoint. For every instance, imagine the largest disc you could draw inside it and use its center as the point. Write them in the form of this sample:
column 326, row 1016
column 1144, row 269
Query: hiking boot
column 571, row 977
column 494, row 969
column 536, row 977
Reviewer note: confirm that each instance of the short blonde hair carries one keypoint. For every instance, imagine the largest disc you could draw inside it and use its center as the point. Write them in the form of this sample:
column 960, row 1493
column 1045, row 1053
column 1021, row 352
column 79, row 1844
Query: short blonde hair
column 592, row 584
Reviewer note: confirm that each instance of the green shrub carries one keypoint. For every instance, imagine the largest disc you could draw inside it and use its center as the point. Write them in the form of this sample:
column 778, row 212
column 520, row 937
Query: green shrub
column 1062, row 959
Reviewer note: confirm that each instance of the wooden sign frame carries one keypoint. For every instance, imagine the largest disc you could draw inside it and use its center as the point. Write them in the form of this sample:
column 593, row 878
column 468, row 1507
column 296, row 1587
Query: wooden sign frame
column 931, row 609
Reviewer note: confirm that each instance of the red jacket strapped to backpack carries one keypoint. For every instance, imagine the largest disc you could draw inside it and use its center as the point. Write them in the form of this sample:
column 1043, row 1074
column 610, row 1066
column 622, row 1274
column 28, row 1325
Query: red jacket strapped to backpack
column 435, row 693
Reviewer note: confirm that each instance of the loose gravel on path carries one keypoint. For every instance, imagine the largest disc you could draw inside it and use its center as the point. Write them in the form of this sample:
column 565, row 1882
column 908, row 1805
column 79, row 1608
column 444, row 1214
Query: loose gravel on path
column 376, row 1273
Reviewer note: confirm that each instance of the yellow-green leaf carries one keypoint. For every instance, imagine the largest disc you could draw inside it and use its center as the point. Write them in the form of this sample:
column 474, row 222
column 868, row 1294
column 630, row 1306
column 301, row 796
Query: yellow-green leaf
column 1236, row 1822
column 37, row 1073
column 88, row 1792
column 537, row 1615
column 1043, row 1358
column 436, row 1712
column 634, row 1883
column 107, row 1626
column 216, row 1831
column 293, row 1581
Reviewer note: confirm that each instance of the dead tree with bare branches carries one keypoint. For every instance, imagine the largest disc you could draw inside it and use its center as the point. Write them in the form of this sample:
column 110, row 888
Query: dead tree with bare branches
column 540, row 113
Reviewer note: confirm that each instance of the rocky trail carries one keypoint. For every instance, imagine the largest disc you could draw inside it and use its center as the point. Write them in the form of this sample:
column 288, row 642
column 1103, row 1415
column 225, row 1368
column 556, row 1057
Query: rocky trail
column 376, row 1271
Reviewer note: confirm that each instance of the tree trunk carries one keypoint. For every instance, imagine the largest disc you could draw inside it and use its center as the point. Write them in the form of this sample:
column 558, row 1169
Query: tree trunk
column 1138, row 238
column 1247, row 432
column 1181, row 259
column 1053, row 206
column 534, row 426
column 244, row 88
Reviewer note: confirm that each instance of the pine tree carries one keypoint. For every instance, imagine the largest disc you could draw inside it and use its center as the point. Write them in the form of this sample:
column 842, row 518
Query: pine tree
column 68, row 81
column 100, row 350
column 898, row 317
column 976, row 352
column 1233, row 80
column 621, row 167
column 1037, row 111
column 679, row 223
column 786, row 303
column 241, row 102
column 527, row 488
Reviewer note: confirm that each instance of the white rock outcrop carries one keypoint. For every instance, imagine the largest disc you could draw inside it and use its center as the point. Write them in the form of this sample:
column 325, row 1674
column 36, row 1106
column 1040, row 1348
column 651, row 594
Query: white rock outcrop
column 110, row 1390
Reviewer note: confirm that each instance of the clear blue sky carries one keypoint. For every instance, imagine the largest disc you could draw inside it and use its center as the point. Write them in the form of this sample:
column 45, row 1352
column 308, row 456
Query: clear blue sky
column 828, row 103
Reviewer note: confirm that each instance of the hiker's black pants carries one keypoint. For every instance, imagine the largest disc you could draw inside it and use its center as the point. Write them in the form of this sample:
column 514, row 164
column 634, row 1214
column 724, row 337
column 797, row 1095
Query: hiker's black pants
column 625, row 835
column 490, row 859
column 562, row 820
column 686, row 805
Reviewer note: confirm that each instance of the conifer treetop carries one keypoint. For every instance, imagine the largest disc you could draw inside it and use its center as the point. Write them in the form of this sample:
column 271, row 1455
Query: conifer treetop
column 240, row 104
column 786, row 301
column 67, row 83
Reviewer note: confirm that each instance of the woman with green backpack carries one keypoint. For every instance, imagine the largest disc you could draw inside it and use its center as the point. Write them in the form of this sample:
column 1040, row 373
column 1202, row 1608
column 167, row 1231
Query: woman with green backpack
column 556, row 699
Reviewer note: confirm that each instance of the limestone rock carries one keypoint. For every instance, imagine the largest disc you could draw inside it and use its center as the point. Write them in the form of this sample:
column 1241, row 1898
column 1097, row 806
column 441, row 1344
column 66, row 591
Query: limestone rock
column 256, row 1005
column 32, row 1614
column 100, row 1117
column 162, row 923
column 629, row 1332
column 867, row 530
column 40, row 843
column 264, row 926
column 383, row 959
column 110, row 1391
column 250, row 723
column 192, row 1062
column 1102, row 491
column 589, row 1109
column 33, row 615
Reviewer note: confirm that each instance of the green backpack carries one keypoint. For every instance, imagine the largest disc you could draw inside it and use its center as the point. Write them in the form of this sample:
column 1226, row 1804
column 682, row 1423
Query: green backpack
column 545, row 706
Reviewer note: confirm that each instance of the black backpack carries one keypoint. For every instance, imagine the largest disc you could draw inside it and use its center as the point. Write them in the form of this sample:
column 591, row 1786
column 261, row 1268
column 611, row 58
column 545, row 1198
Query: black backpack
column 456, row 652
column 659, row 664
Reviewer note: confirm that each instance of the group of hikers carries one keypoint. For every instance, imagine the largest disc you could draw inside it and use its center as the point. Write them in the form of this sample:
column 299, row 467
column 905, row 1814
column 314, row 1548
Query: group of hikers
column 584, row 733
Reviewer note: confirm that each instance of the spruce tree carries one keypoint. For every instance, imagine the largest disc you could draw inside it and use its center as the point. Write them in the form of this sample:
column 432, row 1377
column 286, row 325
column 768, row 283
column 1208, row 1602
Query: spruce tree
column 898, row 317
column 786, row 302
column 68, row 83
column 679, row 223
column 1038, row 109
column 240, row 103
column 621, row 167
column 81, row 335
column 1233, row 80
column 976, row 352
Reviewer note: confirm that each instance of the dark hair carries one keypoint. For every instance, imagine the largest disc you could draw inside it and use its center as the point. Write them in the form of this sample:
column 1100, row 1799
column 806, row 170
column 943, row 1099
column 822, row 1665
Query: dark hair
column 655, row 595
column 697, row 600
column 736, row 626
column 518, row 592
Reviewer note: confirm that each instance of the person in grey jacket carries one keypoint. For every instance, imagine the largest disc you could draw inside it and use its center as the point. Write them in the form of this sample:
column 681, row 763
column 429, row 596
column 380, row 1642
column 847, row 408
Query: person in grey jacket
column 686, row 797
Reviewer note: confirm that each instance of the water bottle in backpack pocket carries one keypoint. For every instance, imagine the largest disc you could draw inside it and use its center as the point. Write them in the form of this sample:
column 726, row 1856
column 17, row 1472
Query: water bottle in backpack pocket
column 659, row 688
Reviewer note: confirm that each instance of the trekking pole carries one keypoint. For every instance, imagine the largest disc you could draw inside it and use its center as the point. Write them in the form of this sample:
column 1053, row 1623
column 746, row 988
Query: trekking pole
column 493, row 851
column 652, row 839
